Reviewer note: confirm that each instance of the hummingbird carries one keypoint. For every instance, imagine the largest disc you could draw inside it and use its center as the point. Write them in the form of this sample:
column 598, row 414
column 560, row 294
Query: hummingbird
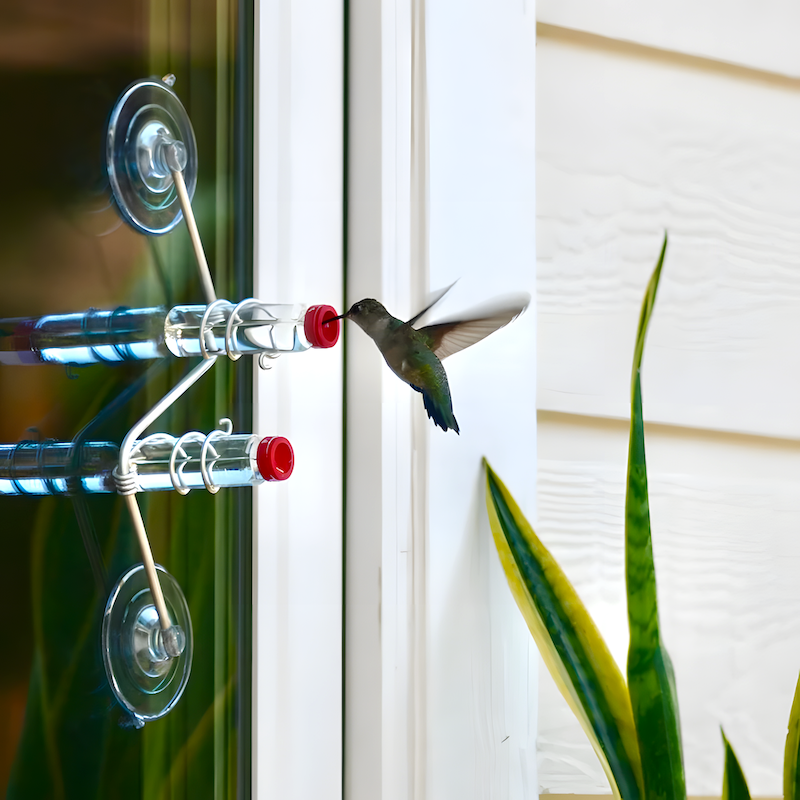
column 415, row 354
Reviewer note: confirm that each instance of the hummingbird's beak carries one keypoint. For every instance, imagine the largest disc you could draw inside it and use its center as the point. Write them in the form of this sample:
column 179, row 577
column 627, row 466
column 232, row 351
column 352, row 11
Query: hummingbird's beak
column 333, row 319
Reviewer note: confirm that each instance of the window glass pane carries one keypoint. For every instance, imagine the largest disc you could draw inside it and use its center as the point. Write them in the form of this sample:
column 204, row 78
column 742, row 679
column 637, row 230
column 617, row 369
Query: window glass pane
column 64, row 249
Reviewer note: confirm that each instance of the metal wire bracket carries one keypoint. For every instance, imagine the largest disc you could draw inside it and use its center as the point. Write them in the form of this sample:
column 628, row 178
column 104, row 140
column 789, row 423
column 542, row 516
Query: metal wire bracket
column 125, row 478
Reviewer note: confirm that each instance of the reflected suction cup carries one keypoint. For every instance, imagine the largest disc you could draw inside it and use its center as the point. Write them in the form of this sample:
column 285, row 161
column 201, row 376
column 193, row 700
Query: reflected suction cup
column 143, row 676
column 149, row 134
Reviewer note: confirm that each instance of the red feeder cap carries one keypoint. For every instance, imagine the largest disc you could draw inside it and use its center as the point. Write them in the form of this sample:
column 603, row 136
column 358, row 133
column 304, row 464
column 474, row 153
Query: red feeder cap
column 275, row 458
column 319, row 334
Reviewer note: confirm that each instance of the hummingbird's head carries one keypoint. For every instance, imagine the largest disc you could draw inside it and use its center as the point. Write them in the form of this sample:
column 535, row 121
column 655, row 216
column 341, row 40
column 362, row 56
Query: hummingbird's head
column 368, row 314
column 365, row 309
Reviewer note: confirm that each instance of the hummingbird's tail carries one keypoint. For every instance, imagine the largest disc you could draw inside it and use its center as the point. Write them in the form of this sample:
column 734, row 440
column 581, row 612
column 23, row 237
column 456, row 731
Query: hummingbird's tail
column 440, row 413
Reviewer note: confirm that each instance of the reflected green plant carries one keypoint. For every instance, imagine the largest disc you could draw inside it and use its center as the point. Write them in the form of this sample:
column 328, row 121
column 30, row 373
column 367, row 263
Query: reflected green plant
column 633, row 726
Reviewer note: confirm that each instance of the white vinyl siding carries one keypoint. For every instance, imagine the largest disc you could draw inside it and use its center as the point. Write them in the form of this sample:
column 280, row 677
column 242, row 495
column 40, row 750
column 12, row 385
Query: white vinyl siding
column 634, row 137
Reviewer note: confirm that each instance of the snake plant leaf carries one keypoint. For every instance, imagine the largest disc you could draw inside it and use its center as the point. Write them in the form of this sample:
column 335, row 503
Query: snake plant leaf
column 571, row 645
column 646, row 312
column 791, row 756
column 734, row 785
column 651, row 680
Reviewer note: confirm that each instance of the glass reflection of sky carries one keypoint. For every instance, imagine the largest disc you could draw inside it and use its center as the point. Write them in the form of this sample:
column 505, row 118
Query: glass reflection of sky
column 77, row 356
column 37, row 486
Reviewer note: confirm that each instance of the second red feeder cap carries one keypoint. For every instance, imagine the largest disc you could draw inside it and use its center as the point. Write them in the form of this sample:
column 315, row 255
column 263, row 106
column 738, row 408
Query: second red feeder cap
column 275, row 458
column 317, row 332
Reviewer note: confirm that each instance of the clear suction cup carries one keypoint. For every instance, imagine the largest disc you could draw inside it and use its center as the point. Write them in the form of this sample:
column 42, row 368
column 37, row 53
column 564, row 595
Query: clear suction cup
column 145, row 678
column 149, row 136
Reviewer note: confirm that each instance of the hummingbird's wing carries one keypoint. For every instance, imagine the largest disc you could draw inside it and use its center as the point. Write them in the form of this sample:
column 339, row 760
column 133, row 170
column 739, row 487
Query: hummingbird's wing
column 448, row 337
column 435, row 298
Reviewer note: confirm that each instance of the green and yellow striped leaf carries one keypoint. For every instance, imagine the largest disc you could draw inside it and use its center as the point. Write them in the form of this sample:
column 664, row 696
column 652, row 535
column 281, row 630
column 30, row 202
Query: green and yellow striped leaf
column 651, row 681
column 571, row 645
column 734, row 785
column 791, row 755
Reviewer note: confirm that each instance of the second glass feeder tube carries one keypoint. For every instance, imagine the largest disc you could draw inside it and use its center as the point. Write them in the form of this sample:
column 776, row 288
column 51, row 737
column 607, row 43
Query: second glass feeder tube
column 162, row 463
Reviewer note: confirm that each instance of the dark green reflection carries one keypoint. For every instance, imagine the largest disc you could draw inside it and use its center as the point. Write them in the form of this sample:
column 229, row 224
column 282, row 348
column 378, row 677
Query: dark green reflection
column 62, row 249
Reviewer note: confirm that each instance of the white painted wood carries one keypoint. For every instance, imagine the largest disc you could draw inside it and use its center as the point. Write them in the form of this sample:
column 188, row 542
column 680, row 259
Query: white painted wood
column 761, row 35
column 298, row 533
column 725, row 513
column 482, row 673
column 440, row 673
column 366, row 695
column 379, row 718
column 629, row 145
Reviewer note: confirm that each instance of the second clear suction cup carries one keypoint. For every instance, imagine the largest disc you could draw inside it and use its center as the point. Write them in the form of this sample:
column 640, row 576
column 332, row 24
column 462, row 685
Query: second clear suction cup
column 144, row 677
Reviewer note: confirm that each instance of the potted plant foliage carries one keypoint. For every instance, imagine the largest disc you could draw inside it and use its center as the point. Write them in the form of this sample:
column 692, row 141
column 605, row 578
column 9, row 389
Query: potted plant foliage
column 633, row 724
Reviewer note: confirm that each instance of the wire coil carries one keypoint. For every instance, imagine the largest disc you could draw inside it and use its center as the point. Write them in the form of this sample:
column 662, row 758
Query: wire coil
column 14, row 468
column 214, row 315
column 217, row 314
column 233, row 322
column 126, row 484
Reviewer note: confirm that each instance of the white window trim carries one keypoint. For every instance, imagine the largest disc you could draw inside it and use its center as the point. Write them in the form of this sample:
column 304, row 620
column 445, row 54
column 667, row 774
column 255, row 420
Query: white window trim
column 297, row 586
column 408, row 482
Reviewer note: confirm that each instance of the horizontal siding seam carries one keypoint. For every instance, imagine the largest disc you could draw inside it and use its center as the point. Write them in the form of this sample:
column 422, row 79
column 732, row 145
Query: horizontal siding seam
column 633, row 49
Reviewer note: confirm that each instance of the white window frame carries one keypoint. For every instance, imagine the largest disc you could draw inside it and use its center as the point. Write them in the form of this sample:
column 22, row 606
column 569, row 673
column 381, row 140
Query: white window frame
column 406, row 482
column 297, row 582
column 420, row 154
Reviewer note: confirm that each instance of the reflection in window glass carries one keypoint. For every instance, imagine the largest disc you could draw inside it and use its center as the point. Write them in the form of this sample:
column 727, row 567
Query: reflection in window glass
column 64, row 249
